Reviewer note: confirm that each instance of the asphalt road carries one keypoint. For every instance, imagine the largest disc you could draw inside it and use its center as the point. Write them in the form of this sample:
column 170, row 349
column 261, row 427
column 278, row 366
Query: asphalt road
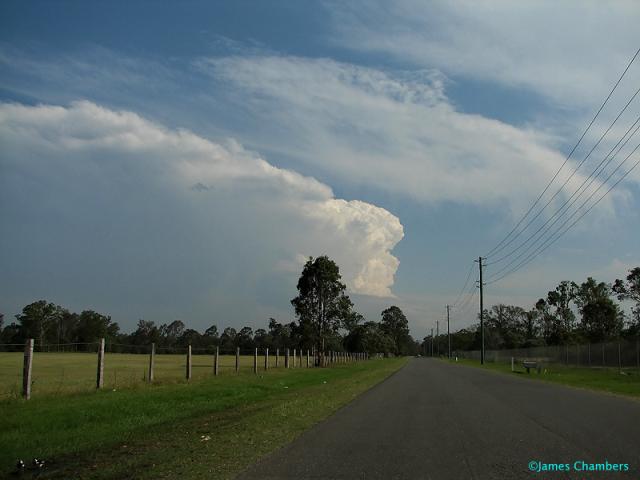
column 432, row 420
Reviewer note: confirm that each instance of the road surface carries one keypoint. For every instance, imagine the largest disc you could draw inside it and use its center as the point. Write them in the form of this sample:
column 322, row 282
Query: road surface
column 433, row 420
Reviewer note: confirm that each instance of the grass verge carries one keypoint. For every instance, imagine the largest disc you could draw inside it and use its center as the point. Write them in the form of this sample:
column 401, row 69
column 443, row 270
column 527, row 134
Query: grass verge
column 602, row 379
column 208, row 429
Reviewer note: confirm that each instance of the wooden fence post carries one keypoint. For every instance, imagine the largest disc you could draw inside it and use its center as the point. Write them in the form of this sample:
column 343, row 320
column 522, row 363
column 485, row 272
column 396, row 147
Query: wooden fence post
column 189, row 362
column 255, row 361
column 216, row 362
column 307, row 358
column 286, row 358
column 237, row 359
column 26, row 369
column 152, row 361
column 277, row 357
column 266, row 359
column 294, row 358
column 100, row 379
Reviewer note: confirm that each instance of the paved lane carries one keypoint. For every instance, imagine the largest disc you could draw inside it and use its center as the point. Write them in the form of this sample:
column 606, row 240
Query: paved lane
column 432, row 420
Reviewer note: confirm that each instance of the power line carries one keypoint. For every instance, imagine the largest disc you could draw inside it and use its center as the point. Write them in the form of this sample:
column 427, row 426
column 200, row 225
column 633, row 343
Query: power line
column 572, row 215
column 499, row 247
column 462, row 290
column 568, row 203
column 564, row 184
column 551, row 240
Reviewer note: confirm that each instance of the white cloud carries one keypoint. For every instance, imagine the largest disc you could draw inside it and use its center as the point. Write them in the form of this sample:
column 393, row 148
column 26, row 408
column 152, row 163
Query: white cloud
column 571, row 52
column 396, row 133
column 172, row 214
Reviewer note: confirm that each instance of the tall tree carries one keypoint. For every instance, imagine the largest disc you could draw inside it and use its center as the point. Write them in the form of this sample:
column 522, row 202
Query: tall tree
column 563, row 318
column 321, row 304
column 40, row 320
column 92, row 326
column 630, row 290
column 601, row 317
column 395, row 324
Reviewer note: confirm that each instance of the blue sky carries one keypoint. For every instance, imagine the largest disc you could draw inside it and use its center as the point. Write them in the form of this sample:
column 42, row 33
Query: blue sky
column 166, row 162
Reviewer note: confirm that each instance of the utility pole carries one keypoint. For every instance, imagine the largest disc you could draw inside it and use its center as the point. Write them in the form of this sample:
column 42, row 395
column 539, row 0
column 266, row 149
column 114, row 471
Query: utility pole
column 432, row 341
column 438, row 338
column 448, row 334
column 481, row 314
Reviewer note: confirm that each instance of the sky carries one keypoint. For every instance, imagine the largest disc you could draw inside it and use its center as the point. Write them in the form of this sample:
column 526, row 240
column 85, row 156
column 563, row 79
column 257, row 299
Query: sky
column 166, row 161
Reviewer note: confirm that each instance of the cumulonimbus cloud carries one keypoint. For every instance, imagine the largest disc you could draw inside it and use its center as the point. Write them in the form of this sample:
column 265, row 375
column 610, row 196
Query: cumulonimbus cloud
column 133, row 163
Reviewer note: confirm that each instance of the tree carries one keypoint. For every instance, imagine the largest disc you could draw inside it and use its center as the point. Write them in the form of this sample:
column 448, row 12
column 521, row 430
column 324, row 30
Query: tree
column 321, row 305
column 563, row 319
column 146, row 333
column 601, row 317
column 170, row 333
column 630, row 290
column 40, row 320
column 395, row 324
column 228, row 339
column 369, row 337
column 91, row 326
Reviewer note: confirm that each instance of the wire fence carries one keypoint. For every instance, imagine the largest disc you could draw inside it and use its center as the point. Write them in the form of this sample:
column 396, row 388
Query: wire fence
column 67, row 368
column 618, row 354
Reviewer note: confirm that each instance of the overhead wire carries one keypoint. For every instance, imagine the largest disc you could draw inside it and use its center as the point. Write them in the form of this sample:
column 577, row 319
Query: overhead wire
column 569, row 202
column 500, row 246
column 551, row 240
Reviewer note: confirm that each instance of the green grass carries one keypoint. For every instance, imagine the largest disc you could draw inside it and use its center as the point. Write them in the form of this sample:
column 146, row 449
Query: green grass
column 211, row 428
column 602, row 379
column 63, row 373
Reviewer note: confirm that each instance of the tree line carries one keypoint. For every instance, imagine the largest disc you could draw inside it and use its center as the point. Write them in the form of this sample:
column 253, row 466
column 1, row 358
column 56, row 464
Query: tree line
column 325, row 321
column 572, row 313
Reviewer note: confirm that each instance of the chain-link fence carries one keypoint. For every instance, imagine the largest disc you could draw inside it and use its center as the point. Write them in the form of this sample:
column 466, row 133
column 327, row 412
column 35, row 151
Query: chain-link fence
column 619, row 354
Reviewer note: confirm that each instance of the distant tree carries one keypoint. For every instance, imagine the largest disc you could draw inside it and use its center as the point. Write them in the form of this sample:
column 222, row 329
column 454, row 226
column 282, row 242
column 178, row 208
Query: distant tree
column 630, row 290
column 40, row 320
column 601, row 317
column 146, row 333
column 563, row 319
column 352, row 320
column 244, row 339
column 189, row 337
column 321, row 304
column 92, row 326
column 261, row 338
column 395, row 324
column 371, row 338
column 172, row 332
column 228, row 339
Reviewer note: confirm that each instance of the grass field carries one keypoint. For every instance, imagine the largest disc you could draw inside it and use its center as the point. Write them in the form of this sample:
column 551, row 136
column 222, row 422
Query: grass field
column 604, row 379
column 210, row 428
column 62, row 373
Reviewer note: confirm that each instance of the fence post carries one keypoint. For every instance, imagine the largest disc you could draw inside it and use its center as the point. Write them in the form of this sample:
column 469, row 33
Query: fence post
column 286, row 358
column 603, row 361
column 100, row 379
column 26, row 369
column 152, row 361
column 216, row 362
column 237, row 359
column 255, row 361
column 277, row 357
column 189, row 362
column 307, row 358
column 266, row 359
column 512, row 367
column 589, row 352
column 294, row 358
